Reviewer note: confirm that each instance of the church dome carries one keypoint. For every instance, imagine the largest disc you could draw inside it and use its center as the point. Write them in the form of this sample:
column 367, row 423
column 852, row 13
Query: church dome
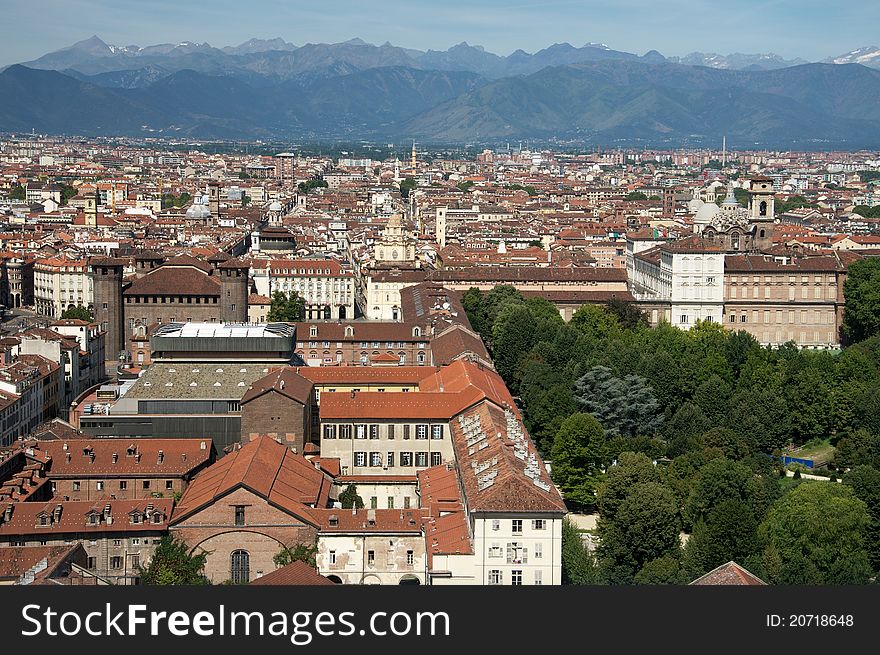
column 694, row 205
column 276, row 207
column 706, row 213
column 199, row 208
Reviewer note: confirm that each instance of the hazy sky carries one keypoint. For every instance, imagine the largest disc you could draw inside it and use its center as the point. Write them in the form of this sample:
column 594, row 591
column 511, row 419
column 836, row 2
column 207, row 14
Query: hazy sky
column 811, row 29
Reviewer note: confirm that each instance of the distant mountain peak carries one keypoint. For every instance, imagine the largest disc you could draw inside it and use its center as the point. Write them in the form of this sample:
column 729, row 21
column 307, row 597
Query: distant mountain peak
column 357, row 41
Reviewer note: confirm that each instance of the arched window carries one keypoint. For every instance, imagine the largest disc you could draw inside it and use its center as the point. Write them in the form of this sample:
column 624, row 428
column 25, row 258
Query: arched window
column 241, row 567
column 349, row 331
column 763, row 208
column 417, row 331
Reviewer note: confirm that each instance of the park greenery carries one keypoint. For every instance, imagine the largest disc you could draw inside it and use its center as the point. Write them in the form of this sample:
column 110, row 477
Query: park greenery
column 309, row 185
column 406, row 186
column 286, row 307
column 173, row 564
column 77, row 312
column 674, row 437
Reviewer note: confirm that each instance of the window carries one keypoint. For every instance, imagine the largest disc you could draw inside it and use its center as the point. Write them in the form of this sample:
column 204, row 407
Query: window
column 371, row 558
column 539, row 524
column 136, row 517
column 123, row 484
column 539, row 550
column 406, row 459
column 146, row 484
column 115, row 562
column 241, row 567
column 495, row 550
column 436, row 459
column 332, row 557
column 390, row 460
column 406, row 431
column 410, row 558
column 360, row 431
column 516, row 526
column 390, row 431
column 135, row 542
column 516, row 577
column 374, row 502
column 494, row 577
column 496, row 524
column 374, row 432
column 436, row 431
column 390, row 502
column 239, row 515
column 76, row 486
column 329, row 431
column 539, row 579
column 684, row 318
column 406, row 502
column 157, row 517
column 421, row 459
column 516, row 553
column 345, row 432
column 99, row 485
column 742, row 319
column 93, row 563
column 375, row 459
column 421, row 432
column 732, row 318
column 360, row 459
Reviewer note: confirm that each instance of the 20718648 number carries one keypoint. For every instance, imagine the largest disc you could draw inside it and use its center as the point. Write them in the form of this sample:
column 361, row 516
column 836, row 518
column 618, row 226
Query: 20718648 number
column 810, row 620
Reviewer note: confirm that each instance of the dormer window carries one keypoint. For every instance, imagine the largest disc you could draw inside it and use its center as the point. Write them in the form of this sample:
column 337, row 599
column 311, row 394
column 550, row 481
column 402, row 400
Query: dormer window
column 417, row 331
column 313, row 331
column 136, row 517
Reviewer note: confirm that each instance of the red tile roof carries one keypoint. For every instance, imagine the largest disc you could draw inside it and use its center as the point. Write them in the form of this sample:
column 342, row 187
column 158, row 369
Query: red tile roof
column 296, row 573
column 268, row 469
column 729, row 574
column 73, row 518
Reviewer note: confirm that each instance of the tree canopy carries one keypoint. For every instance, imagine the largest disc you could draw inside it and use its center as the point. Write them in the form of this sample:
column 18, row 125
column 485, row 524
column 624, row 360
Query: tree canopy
column 78, row 312
column 173, row 564
column 350, row 498
column 286, row 307
column 861, row 317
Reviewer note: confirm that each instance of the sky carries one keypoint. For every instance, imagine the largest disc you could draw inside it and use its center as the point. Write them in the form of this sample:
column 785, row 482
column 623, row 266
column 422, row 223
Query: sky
column 810, row 29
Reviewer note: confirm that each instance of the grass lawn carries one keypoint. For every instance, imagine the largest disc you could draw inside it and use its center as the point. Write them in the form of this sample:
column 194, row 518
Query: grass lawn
column 819, row 450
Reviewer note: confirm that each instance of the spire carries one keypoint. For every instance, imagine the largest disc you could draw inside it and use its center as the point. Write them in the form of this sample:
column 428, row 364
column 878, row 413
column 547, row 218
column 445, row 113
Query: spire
column 730, row 200
column 414, row 157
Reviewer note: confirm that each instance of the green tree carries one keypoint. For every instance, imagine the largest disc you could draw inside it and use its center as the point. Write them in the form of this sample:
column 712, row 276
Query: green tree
column 67, row 192
column 729, row 532
column 286, row 307
column 350, row 498
column 631, row 469
column 624, row 405
column 596, row 322
column 299, row 553
column 816, row 534
column 310, row 185
column 173, row 564
column 859, row 447
column 865, row 483
column 644, row 528
column 78, row 312
column 628, row 315
column 18, row 193
column 406, row 186
column 636, row 195
column 245, row 200
column 578, row 563
column 861, row 317
column 664, row 570
column 466, row 186
column 683, row 432
column 579, row 454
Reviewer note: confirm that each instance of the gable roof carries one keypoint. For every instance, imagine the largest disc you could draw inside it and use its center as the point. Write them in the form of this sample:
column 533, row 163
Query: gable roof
column 285, row 381
column 730, row 573
column 295, row 573
column 266, row 468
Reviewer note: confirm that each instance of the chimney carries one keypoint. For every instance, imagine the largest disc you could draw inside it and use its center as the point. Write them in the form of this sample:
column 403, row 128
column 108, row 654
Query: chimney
column 137, row 458
column 182, row 457
column 115, row 457
column 202, row 446
column 161, row 457
column 56, row 515
column 7, row 514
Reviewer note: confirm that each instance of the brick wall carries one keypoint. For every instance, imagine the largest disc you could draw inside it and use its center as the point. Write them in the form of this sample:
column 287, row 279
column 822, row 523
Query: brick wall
column 266, row 529
column 274, row 413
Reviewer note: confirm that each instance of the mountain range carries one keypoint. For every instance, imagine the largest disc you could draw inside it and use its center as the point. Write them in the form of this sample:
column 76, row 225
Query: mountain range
column 355, row 90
